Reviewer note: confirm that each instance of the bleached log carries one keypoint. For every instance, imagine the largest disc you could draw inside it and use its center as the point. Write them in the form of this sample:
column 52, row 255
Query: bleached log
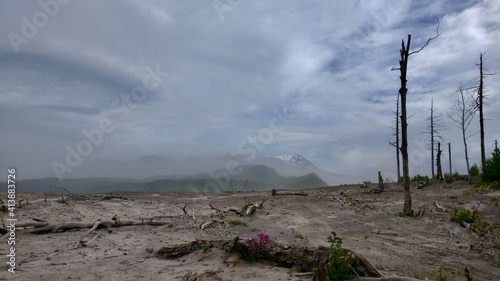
column 41, row 227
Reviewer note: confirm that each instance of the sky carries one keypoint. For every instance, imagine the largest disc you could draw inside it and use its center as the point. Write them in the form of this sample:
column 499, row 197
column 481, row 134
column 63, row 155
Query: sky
column 121, row 79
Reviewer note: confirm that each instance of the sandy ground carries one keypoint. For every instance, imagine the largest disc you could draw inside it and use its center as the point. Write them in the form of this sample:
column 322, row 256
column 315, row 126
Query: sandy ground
column 368, row 223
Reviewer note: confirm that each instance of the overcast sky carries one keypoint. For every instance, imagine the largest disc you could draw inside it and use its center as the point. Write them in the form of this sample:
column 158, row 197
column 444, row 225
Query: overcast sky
column 204, row 78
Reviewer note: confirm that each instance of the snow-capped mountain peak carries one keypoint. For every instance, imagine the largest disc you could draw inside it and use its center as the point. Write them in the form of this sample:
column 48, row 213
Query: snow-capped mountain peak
column 296, row 160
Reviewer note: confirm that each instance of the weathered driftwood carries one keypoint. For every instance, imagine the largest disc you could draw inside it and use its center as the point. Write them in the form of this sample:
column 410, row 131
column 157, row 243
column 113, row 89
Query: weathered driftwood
column 282, row 255
column 246, row 211
column 41, row 227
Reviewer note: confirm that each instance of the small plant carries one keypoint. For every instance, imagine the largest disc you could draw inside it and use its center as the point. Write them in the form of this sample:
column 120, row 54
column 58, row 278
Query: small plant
column 298, row 235
column 207, row 248
column 416, row 276
column 253, row 229
column 467, row 274
column 248, row 203
column 461, row 202
column 441, row 275
column 464, row 215
column 255, row 246
column 170, row 225
column 456, row 174
column 474, row 170
column 339, row 263
column 494, row 199
column 414, row 214
column 237, row 222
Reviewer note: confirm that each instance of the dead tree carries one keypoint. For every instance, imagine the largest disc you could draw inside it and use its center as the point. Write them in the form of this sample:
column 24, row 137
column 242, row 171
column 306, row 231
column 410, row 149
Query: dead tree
column 480, row 104
column 439, row 174
column 403, row 65
column 396, row 142
column 434, row 132
column 463, row 113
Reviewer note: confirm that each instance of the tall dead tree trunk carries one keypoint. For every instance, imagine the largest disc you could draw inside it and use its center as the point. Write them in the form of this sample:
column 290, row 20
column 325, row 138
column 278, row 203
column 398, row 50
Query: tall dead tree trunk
column 480, row 108
column 432, row 136
column 434, row 132
column 449, row 157
column 396, row 143
column 403, row 66
column 439, row 174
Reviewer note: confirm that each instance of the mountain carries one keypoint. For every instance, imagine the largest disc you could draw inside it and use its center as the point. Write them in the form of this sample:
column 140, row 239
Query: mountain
column 298, row 165
column 259, row 177
column 296, row 160
column 151, row 168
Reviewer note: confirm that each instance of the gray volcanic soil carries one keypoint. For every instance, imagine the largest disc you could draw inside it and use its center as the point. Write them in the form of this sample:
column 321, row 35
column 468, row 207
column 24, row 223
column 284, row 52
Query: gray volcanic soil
column 368, row 223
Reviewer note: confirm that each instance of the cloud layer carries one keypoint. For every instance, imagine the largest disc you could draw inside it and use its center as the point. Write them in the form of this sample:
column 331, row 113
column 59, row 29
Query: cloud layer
column 68, row 66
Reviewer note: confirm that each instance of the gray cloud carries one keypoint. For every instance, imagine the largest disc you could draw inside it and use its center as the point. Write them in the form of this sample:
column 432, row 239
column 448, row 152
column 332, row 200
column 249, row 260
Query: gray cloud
column 328, row 63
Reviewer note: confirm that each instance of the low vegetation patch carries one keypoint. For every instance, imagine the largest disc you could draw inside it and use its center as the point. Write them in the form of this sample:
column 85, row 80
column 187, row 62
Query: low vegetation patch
column 237, row 222
column 339, row 265
column 255, row 246
column 298, row 235
column 464, row 215
column 418, row 178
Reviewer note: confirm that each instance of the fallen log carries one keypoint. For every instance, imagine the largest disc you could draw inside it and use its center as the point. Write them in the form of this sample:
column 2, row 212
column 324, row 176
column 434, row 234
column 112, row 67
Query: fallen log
column 282, row 255
column 41, row 227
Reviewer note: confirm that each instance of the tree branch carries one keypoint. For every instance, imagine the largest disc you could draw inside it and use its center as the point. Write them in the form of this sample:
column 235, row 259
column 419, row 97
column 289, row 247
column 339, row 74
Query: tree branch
column 428, row 40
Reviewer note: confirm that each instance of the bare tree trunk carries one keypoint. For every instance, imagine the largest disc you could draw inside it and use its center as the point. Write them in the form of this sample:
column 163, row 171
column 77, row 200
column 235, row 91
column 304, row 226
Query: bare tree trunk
column 480, row 107
column 439, row 175
column 449, row 157
column 396, row 143
column 434, row 132
column 397, row 140
column 432, row 136
column 403, row 63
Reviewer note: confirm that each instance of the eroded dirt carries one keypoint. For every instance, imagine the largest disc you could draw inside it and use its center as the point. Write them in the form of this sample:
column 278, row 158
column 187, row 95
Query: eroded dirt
column 368, row 223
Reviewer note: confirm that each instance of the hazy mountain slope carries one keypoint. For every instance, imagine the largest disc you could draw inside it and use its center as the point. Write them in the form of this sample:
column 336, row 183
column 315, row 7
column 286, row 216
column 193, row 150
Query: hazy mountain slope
column 259, row 177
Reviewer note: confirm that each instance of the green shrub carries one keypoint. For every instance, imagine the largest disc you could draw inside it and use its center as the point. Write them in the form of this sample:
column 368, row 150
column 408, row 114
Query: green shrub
column 339, row 265
column 237, row 222
column 491, row 169
column 207, row 248
column 474, row 170
column 420, row 178
column 298, row 235
column 456, row 174
column 467, row 274
column 464, row 215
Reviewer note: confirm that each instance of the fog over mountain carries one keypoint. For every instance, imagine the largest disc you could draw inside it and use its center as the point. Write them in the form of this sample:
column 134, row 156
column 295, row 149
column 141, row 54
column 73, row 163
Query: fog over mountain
column 154, row 167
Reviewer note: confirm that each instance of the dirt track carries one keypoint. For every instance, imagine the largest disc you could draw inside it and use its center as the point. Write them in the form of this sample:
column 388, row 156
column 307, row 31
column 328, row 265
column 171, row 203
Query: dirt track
column 368, row 223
